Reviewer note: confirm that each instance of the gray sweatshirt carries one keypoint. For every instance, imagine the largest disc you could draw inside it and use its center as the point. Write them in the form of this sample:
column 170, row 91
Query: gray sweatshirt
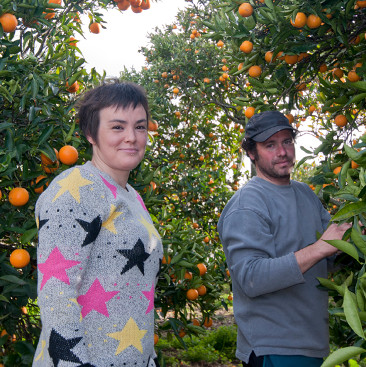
column 98, row 259
column 278, row 309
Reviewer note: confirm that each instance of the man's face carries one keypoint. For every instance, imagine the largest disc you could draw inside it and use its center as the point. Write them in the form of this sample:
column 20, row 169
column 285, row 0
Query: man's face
column 275, row 158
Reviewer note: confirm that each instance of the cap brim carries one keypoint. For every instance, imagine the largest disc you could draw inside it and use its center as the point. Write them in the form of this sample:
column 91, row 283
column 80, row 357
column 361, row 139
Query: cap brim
column 264, row 135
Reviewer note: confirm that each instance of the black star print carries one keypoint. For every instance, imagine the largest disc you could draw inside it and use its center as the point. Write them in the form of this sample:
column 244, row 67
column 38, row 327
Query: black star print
column 60, row 348
column 92, row 229
column 159, row 270
column 41, row 223
column 86, row 365
column 135, row 256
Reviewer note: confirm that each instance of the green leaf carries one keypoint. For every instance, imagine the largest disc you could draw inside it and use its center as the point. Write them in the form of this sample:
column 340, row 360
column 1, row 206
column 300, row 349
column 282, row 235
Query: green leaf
column 342, row 355
column 345, row 246
column 349, row 211
column 28, row 235
column 358, row 240
column 351, row 313
column 13, row 279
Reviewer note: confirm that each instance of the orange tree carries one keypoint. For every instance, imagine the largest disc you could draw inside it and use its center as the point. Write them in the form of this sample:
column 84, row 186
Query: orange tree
column 41, row 74
column 307, row 59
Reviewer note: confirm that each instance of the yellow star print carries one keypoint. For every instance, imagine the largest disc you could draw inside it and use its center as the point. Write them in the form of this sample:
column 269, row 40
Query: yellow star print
column 149, row 226
column 41, row 354
column 72, row 184
column 130, row 335
column 109, row 223
column 37, row 222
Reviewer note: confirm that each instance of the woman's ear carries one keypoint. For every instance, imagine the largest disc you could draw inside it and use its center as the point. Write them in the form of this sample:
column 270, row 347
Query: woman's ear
column 90, row 140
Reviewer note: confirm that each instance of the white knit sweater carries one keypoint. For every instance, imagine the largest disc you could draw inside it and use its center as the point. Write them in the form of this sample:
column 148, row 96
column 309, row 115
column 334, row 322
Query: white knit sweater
column 98, row 259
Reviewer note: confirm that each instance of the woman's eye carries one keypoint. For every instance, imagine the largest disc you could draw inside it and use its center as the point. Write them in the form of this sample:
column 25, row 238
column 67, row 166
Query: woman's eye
column 141, row 127
column 117, row 127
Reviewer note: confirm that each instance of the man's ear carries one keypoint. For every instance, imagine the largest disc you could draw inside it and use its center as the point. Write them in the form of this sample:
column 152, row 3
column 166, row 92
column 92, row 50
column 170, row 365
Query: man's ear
column 251, row 156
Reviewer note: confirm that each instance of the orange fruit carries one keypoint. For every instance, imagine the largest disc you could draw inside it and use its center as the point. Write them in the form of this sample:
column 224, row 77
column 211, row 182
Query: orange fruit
column 50, row 168
column 188, row 275
column 58, row 2
column 240, row 66
column 72, row 41
column 311, row 109
column 18, row 196
column 337, row 170
column 195, row 322
column 202, row 268
column 269, row 56
column 123, row 5
column 313, row 21
column 290, row 118
column 166, row 261
column 338, row 73
column 302, row 55
column 340, row 120
column 68, row 155
column 40, row 189
column 220, row 44
column 300, row 20
column 152, row 125
column 1, row 194
column 323, row 68
column 19, row 258
column 145, row 4
column 156, row 339
column 202, row 290
column 9, row 22
column 291, row 59
column 245, row 10
column 228, row 272
column 249, row 112
column 255, row 71
column 175, row 90
column 47, row 161
column 208, row 322
column 353, row 77
column 300, row 87
column 195, row 225
column 201, row 158
column 73, row 88
column 135, row 3
column 192, row 294
column 230, row 297
column 94, row 28
column 182, row 333
column 354, row 165
column 136, row 9
column 246, row 47
column 361, row 4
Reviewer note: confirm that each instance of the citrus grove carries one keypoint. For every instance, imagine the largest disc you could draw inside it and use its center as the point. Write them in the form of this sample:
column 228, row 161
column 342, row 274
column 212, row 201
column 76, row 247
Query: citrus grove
column 205, row 75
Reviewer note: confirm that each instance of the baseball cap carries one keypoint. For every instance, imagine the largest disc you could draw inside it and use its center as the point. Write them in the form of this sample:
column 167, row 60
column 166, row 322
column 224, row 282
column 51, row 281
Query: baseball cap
column 263, row 125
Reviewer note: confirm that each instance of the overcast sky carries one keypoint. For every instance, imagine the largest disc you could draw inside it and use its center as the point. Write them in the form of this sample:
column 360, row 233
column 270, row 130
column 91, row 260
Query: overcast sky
column 126, row 32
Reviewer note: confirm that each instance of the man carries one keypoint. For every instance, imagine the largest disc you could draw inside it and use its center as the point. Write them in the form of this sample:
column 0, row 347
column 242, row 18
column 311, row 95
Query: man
column 269, row 234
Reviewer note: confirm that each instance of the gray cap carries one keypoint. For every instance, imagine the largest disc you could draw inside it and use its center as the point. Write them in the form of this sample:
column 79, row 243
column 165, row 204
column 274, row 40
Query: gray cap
column 263, row 125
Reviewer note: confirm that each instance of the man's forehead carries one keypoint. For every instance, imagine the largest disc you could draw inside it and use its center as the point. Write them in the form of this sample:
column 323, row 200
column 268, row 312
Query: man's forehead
column 283, row 134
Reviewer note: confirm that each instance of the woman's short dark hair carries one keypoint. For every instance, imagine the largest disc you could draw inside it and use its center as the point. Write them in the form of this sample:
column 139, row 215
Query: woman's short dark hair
column 118, row 95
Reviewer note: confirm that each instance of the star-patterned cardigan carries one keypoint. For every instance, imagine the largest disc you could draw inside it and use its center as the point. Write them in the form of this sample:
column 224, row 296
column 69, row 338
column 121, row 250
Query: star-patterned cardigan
column 98, row 259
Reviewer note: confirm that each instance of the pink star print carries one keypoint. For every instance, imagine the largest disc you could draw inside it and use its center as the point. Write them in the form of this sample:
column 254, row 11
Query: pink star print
column 95, row 299
column 150, row 296
column 55, row 266
column 110, row 186
column 141, row 201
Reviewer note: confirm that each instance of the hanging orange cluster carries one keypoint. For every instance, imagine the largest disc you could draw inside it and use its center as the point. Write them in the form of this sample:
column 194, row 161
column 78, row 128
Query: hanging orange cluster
column 137, row 6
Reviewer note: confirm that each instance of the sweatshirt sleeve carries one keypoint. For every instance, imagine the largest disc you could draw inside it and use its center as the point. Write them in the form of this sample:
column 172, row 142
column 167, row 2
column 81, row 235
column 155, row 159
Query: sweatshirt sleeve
column 251, row 256
column 67, row 228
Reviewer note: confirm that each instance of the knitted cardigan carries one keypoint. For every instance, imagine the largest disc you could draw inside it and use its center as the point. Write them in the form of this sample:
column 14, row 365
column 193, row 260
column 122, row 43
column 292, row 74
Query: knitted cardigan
column 98, row 260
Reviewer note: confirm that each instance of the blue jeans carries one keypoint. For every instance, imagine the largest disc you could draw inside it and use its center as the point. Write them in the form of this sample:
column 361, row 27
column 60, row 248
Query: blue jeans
column 283, row 361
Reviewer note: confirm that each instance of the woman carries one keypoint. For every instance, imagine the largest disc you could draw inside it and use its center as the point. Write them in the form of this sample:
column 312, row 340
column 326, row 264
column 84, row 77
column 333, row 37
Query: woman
column 99, row 253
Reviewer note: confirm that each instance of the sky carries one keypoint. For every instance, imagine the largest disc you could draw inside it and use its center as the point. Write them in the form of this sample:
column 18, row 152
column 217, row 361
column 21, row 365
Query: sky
column 126, row 32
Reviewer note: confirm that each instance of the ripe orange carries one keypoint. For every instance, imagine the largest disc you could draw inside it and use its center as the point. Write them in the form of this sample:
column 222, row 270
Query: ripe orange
column 269, row 56
column 291, row 59
column 135, row 3
column 230, row 297
column 18, row 196
column 245, row 10
column 300, row 87
column 58, row 2
column 353, row 76
column 300, row 20
column 68, row 155
column 311, row 109
column 72, row 41
column 202, row 268
column 338, row 73
column 290, row 118
column 136, row 9
column 202, row 290
column 1, row 194
column 240, row 66
column 40, row 189
column 208, row 322
column 323, row 68
column 255, row 71
column 123, row 5
column 192, row 294
column 313, row 21
column 175, row 90
column 19, row 258
column 361, row 4
column 246, row 47
column 156, row 339
column 195, row 322
column 152, row 125
column 94, row 28
column 340, row 120
column 354, row 165
column 188, row 275
column 302, row 55
column 9, row 22
column 220, row 44
column 165, row 261
column 337, row 170
column 195, row 225
column 249, row 112
column 73, row 88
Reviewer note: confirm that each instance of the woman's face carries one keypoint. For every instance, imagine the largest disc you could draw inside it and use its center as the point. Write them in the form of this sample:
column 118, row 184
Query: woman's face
column 122, row 138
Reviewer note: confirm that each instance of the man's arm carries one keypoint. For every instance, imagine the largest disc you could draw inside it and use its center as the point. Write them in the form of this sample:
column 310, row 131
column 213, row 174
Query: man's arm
column 310, row 255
